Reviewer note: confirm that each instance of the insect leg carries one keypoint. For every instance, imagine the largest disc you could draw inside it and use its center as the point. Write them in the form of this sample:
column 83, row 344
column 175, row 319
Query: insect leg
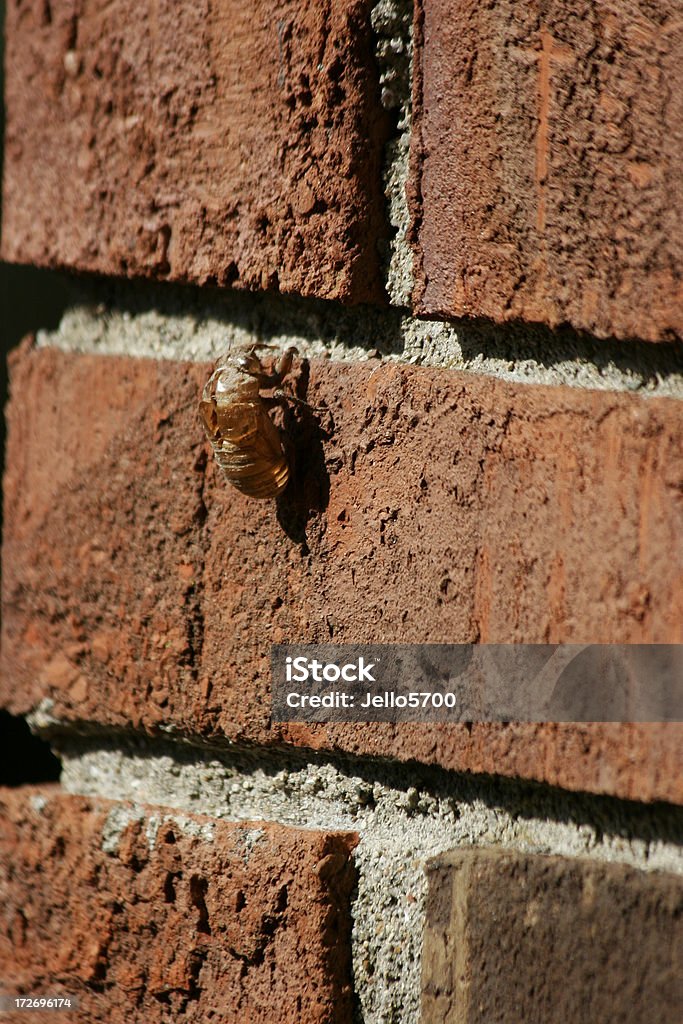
column 279, row 394
column 274, row 378
column 285, row 362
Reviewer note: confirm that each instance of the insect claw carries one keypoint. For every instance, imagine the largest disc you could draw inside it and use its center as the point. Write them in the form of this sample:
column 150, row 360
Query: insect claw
column 279, row 394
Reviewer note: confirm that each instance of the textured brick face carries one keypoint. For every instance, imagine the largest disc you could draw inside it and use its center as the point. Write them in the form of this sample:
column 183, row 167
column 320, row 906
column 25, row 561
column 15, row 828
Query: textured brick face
column 511, row 937
column 155, row 916
column 140, row 588
column 227, row 142
column 548, row 152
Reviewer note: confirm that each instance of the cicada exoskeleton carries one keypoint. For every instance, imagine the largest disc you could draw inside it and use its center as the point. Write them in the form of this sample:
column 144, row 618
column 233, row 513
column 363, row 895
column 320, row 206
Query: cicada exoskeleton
column 246, row 442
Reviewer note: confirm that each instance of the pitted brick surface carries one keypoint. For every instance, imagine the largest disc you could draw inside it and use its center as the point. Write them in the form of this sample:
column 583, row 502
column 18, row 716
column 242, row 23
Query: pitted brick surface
column 511, row 937
column 547, row 154
column 219, row 143
column 148, row 914
column 140, row 588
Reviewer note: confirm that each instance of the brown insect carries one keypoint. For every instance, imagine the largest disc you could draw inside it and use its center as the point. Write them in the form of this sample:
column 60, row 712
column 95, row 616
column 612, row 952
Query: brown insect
column 246, row 442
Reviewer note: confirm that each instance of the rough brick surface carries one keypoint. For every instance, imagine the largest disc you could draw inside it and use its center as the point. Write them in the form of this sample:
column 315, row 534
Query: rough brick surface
column 547, row 153
column 139, row 587
column 157, row 916
column 231, row 143
column 511, row 937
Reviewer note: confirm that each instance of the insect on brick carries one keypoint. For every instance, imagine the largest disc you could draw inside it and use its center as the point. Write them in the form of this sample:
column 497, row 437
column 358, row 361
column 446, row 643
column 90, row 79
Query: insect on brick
column 246, row 443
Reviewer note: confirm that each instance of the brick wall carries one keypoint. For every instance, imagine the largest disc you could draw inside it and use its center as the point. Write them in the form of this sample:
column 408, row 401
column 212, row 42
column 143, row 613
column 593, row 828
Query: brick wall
column 467, row 221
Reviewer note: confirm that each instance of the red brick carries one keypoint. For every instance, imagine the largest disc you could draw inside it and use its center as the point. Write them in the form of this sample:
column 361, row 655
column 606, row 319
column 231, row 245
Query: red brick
column 228, row 143
column 177, row 917
column 511, row 937
column 430, row 507
column 547, row 154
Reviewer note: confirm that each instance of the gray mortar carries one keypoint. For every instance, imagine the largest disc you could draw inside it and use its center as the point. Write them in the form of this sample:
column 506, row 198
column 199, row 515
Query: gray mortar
column 120, row 817
column 392, row 23
column 404, row 815
column 171, row 322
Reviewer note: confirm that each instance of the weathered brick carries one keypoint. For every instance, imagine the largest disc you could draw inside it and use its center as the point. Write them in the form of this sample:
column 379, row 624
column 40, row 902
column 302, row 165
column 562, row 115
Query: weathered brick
column 149, row 914
column 547, row 156
column 511, row 937
column 227, row 143
column 428, row 506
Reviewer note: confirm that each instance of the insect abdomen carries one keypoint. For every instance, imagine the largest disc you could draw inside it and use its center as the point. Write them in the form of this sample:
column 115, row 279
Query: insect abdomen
column 249, row 472
column 247, row 447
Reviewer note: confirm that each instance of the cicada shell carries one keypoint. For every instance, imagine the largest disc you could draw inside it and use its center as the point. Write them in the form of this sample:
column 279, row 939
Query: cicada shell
column 246, row 443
